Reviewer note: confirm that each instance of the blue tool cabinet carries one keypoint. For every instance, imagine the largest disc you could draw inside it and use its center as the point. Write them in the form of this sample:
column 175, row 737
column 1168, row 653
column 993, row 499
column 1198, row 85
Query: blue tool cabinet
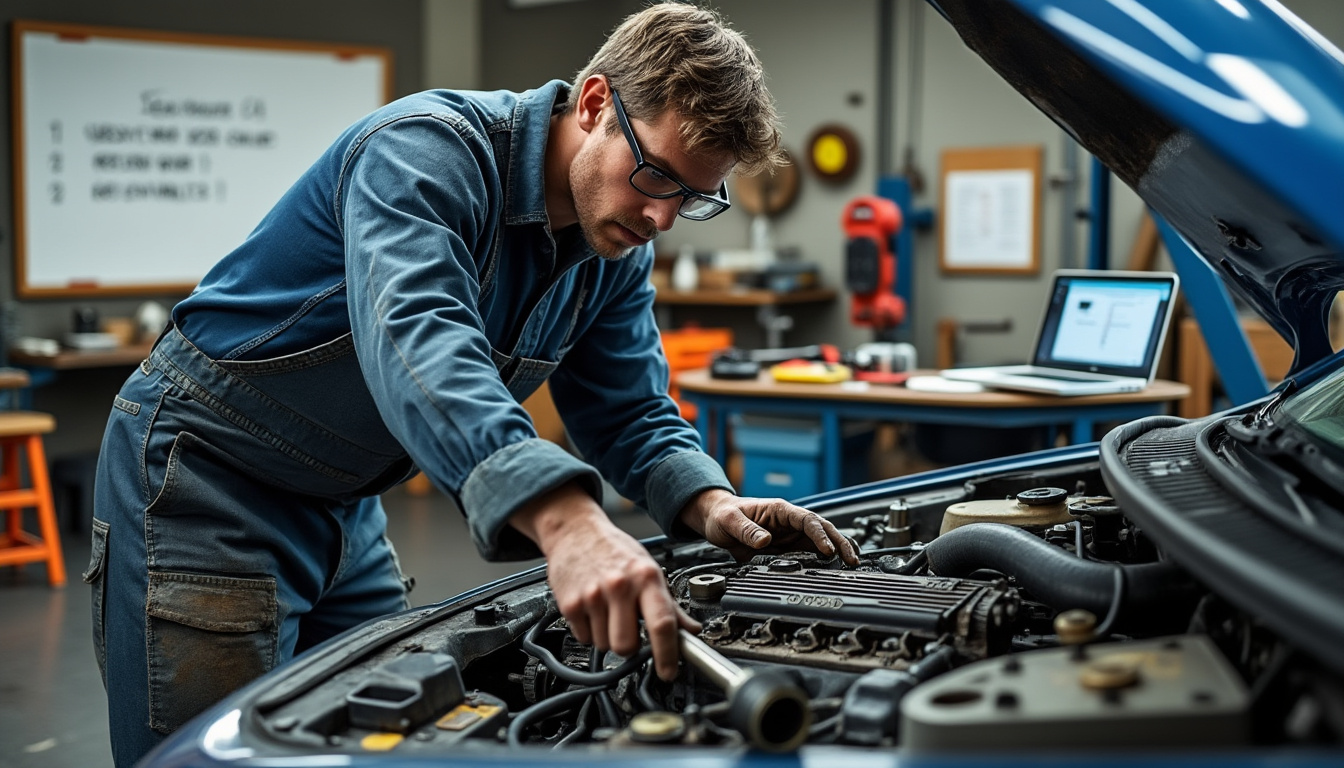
column 783, row 456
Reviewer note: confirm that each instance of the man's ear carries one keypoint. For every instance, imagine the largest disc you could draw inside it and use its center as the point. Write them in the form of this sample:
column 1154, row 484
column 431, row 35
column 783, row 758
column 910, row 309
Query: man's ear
column 594, row 94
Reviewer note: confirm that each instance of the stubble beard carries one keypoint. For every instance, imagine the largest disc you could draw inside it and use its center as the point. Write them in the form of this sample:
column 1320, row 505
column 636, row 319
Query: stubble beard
column 586, row 175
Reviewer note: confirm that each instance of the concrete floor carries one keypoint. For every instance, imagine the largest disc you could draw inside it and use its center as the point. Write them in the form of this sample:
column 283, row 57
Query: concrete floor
column 53, row 711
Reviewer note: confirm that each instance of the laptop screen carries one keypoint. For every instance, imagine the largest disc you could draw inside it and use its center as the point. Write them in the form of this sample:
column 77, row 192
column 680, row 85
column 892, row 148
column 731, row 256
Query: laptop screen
column 1106, row 322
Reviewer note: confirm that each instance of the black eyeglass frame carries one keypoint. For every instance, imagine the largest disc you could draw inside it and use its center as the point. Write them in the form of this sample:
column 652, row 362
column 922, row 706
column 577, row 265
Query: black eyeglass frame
column 687, row 194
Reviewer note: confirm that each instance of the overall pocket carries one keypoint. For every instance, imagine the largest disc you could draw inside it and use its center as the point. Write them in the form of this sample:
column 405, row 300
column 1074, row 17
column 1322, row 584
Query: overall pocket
column 324, row 390
column 97, row 581
column 522, row 376
column 212, row 611
column 207, row 637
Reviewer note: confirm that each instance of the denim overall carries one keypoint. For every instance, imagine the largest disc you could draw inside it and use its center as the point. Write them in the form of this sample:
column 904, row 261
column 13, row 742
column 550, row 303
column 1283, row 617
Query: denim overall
column 239, row 534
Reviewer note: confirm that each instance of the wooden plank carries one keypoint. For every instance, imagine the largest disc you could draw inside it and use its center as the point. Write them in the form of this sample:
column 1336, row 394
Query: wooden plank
column 745, row 298
column 84, row 358
column 1144, row 253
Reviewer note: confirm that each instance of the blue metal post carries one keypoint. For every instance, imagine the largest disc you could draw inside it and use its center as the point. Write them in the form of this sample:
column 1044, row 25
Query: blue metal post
column 897, row 190
column 1098, row 252
column 1243, row 380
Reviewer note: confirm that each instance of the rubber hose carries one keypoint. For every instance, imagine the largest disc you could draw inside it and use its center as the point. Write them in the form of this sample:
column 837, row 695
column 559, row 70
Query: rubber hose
column 644, row 691
column 580, row 725
column 605, row 706
column 546, row 707
column 577, row 676
column 1060, row 579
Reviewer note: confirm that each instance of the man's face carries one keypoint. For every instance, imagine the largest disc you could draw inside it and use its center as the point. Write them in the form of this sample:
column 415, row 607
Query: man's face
column 613, row 215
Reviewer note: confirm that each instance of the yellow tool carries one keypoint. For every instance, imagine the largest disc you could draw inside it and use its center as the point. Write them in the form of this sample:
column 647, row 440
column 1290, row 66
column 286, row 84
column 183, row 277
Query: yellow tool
column 810, row 371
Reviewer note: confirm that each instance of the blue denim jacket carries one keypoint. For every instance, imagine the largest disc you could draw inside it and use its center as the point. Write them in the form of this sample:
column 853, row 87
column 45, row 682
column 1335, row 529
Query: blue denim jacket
column 422, row 233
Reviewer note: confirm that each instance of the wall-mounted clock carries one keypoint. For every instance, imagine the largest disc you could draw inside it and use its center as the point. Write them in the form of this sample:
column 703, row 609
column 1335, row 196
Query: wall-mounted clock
column 833, row 152
column 766, row 193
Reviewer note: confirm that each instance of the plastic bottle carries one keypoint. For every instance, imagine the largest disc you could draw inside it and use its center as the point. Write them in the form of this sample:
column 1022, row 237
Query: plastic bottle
column 685, row 272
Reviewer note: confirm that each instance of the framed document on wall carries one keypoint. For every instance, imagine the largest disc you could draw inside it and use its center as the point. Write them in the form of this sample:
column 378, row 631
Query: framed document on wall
column 143, row 157
column 990, row 217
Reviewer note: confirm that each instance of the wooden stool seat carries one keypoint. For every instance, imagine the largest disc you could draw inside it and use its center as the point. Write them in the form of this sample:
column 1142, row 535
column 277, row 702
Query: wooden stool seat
column 14, row 378
column 21, row 431
column 15, row 423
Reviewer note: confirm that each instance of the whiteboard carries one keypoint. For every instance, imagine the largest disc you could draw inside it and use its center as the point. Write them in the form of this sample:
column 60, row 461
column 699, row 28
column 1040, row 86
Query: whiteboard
column 142, row 158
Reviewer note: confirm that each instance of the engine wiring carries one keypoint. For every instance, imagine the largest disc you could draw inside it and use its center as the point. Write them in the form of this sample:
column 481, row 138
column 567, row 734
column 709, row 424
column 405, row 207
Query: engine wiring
column 1116, row 582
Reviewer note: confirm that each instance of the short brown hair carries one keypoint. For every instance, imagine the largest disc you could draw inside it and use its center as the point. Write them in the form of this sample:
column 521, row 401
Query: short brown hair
column 676, row 56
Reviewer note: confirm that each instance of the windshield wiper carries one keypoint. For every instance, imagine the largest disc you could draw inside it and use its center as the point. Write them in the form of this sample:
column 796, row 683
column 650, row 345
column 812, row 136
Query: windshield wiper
column 1286, row 444
column 1261, row 418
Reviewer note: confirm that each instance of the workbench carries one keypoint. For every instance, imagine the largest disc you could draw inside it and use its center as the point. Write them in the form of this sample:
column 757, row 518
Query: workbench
column 69, row 359
column 43, row 369
column 718, row 399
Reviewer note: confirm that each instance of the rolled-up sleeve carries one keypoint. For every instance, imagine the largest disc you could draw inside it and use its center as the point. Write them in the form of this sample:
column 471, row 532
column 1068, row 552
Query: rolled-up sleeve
column 418, row 199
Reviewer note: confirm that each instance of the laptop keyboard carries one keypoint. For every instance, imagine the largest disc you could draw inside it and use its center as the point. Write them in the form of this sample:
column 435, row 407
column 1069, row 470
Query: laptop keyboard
column 1060, row 376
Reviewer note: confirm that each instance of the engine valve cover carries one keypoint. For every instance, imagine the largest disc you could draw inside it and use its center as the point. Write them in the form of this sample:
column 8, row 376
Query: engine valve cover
column 854, row 597
column 857, row 620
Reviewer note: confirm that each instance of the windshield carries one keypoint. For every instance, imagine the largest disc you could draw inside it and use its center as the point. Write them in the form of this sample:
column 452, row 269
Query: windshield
column 1319, row 411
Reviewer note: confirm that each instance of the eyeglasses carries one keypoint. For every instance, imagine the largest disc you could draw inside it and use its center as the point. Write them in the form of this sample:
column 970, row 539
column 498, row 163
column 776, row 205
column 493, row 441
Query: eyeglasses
column 657, row 183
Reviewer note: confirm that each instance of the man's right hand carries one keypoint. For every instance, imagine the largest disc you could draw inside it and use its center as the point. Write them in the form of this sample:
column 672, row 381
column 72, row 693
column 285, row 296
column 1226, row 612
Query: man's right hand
column 603, row 580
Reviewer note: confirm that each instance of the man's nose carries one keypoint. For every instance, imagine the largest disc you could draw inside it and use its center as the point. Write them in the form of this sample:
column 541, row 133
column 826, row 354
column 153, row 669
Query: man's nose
column 663, row 213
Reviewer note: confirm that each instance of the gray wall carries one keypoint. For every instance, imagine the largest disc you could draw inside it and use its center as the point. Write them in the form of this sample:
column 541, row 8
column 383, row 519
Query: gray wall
column 821, row 59
column 81, row 399
column 452, row 34
column 817, row 56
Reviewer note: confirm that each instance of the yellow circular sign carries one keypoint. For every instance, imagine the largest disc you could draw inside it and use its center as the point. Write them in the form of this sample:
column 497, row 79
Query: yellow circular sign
column 829, row 153
column 833, row 152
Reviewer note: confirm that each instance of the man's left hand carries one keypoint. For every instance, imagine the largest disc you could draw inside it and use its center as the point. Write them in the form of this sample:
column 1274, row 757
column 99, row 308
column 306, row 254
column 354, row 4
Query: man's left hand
column 748, row 526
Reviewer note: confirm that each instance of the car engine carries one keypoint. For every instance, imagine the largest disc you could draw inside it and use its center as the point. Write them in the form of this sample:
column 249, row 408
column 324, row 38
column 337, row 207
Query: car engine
column 1017, row 611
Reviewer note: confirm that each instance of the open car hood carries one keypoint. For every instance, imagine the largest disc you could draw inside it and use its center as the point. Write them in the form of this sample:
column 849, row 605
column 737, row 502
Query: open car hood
column 1227, row 118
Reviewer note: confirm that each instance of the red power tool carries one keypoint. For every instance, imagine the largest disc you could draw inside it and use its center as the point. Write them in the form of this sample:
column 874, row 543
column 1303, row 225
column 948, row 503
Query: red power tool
column 871, row 224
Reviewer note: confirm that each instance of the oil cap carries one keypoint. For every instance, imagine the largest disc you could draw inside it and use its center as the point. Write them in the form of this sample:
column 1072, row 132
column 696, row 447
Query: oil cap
column 1039, row 497
column 1076, row 627
column 657, row 727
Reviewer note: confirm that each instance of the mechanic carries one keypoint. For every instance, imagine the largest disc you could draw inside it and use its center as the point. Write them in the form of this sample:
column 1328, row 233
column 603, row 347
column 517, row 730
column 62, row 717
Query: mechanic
column 449, row 253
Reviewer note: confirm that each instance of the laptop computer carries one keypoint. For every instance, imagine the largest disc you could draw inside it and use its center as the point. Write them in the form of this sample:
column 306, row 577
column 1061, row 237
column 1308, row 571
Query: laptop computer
column 1102, row 333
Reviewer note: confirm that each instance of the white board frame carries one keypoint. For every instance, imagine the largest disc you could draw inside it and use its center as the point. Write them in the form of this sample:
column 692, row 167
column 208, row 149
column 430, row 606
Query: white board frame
column 197, row 137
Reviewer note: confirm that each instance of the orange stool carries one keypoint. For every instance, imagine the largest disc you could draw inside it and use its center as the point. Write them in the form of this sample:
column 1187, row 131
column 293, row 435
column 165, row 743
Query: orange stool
column 23, row 430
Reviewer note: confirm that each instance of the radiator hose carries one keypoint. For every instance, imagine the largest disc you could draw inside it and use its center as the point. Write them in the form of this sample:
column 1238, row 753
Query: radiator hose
column 1155, row 595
